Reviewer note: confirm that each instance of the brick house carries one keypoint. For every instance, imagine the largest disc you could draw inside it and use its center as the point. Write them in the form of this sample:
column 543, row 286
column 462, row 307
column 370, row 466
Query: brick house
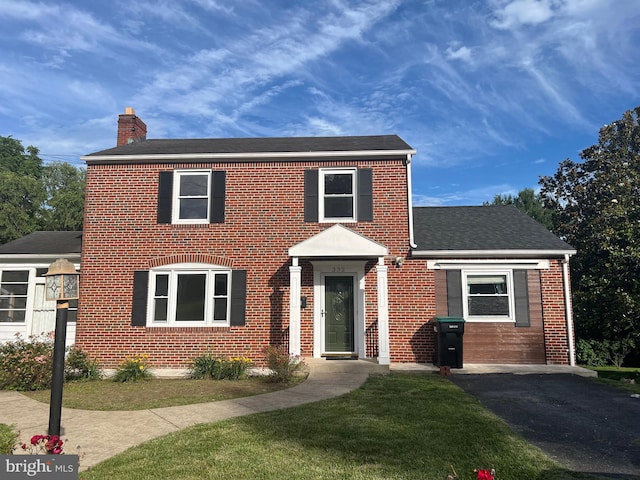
column 235, row 244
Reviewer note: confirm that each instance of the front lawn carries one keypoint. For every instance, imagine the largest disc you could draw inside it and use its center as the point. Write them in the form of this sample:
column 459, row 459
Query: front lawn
column 398, row 426
column 154, row 393
column 620, row 377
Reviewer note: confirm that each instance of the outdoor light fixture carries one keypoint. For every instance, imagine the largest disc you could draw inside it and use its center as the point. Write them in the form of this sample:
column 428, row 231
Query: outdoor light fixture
column 62, row 281
column 61, row 286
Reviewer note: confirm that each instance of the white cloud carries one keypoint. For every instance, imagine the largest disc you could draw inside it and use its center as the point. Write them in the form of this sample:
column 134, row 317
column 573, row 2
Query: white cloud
column 463, row 53
column 523, row 12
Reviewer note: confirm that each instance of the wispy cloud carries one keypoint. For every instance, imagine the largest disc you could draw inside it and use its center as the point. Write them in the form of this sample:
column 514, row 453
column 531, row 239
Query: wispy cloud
column 465, row 83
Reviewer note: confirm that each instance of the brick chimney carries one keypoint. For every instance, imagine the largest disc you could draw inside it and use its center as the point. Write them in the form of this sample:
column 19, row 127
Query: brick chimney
column 130, row 128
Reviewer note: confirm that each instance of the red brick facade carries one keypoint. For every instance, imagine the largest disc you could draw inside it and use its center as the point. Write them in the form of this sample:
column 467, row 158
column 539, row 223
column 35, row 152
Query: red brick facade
column 263, row 218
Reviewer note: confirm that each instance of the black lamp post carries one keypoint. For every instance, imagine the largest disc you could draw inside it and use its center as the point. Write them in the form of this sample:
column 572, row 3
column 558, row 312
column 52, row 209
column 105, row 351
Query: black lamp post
column 62, row 286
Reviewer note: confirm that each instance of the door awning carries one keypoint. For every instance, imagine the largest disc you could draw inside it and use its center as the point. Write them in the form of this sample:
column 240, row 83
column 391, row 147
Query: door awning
column 338, row 241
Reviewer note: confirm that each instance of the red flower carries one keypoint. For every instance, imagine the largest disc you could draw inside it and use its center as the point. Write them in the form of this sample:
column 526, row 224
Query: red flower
column 485, row 475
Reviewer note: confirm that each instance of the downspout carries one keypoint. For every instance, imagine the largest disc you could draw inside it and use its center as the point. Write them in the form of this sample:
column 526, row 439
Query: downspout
column 567, row 308
column 410, row 201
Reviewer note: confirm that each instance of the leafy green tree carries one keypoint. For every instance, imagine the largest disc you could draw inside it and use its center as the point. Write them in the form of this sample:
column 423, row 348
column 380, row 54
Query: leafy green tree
column 21, row 197
column 14, row 158
column 528, row 202
column 596, row 208
column 34, row 196
column 64, row 185
column 21, row 193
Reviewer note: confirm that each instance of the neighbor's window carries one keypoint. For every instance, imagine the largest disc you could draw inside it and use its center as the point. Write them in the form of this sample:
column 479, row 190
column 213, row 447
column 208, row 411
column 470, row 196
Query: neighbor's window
column 14, row 285
column 184, row 296
column 192, row 193
column 338, row 194
column 488, row 296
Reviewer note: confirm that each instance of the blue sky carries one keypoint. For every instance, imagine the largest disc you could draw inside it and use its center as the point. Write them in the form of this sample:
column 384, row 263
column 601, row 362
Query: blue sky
column 492, row 94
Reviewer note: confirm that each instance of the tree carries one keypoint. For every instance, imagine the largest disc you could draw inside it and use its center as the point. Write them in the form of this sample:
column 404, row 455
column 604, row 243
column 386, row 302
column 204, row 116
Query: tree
column 21, row 197
column 596, row 207
column 35, row 197
column 64, row 185
column 528, row 202
column 13, row 158
column 21, row 193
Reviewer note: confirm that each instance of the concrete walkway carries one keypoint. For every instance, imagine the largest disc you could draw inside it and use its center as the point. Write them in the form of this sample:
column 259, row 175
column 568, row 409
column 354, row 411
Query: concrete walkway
column 101, row 435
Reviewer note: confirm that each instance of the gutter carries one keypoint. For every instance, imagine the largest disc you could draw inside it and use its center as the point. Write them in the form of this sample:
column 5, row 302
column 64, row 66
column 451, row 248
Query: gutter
column 567, row 308
column 412, row 243
column 492, row 253
column 244, row 156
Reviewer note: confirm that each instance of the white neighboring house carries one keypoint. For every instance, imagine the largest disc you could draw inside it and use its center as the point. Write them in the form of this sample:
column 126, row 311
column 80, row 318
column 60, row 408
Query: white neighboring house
column 23, row 263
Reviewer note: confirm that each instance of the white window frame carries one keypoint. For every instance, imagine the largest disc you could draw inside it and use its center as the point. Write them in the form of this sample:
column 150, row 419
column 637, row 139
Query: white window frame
column 173, row 271
column 321, row 195
column 175, row 214
column 510, row 294
column 26, row 296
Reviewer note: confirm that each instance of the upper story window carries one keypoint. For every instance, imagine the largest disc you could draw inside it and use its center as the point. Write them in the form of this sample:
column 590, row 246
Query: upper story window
column 488, row 296
column 191, row 196
column 192, row 193
column 338, row 195
column 189, row 295
column 14, row 285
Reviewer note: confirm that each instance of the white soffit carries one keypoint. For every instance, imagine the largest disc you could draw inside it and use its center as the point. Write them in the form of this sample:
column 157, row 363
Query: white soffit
column 338, row 241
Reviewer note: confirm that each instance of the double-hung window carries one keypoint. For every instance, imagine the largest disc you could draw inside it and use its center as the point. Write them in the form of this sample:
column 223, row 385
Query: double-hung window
column 14, row 285
column 488, row 296
column 189, row 295
column 192, row 196
column 338, row 194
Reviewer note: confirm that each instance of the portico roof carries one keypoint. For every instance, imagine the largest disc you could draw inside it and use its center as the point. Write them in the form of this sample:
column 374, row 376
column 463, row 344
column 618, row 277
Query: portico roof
column 338, row 241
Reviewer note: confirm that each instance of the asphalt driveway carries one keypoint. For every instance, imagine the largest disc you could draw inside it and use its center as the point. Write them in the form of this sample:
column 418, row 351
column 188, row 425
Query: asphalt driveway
column 582, row 424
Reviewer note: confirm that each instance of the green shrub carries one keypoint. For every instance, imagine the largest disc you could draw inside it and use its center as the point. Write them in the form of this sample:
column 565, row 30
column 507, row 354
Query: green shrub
column 25, row 365
column 79, row 366
column 217, row 368
column 283, row 366
column 133, row 369
column 8, row 439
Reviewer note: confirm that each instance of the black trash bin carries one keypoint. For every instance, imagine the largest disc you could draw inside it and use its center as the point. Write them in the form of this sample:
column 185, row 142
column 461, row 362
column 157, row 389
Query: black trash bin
column 449, row 345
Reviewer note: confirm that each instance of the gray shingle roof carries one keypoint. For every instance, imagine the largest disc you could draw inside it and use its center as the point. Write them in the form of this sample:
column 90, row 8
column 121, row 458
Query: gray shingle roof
column 44, row 243
column 221, row 146
column 498, row 227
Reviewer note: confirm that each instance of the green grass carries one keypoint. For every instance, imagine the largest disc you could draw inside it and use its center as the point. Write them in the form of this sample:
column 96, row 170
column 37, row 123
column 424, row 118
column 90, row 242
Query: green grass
column 394, row 427
column 154, row 393
column 619, row 377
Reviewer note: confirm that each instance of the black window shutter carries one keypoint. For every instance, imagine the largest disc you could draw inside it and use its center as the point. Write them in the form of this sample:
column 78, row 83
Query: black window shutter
column 454, row 293
column 521, row 296
column 311, row 195
column 365, row 195
column 238, row 297
column 218, row 186
column 165, row 196
column 139, row 306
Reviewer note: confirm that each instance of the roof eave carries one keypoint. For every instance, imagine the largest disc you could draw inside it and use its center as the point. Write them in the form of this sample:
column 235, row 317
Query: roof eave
column 244, row 156
column 524, row 253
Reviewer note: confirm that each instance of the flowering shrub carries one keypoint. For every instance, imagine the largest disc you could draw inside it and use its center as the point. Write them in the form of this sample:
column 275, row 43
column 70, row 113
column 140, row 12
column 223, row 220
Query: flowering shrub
column 26, row 364
column 481, row 474
column 133, row 369
column 44, row 444
column 486, row 474
column 217, row 368
column 283, row 366
column 79, row 366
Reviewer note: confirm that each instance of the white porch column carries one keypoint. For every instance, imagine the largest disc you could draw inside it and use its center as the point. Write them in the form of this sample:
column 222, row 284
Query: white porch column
column 384, row 357
column 295, row 279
